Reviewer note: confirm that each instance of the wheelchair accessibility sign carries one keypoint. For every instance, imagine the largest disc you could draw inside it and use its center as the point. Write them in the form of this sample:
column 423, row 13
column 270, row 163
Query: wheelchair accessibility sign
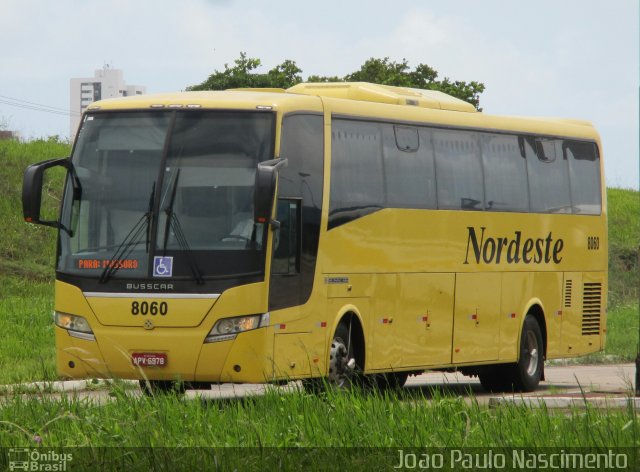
column 162, row 266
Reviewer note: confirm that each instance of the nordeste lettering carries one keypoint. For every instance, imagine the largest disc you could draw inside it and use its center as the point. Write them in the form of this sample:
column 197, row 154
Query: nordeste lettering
column 514, row 249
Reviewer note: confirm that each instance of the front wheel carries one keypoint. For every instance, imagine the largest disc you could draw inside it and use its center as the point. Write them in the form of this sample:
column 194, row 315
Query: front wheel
column 343, row 369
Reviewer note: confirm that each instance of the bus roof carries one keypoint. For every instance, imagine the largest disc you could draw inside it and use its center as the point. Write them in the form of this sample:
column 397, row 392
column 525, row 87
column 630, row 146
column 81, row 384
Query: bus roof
column 367, row 92
column 359, row 91
column 358, row 99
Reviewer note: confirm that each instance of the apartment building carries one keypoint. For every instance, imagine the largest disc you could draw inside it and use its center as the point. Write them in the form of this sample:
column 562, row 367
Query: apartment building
column 106, row 83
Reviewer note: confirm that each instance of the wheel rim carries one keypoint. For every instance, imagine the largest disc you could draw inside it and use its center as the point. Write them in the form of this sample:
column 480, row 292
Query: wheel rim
column 532, row 353
column 339, row 371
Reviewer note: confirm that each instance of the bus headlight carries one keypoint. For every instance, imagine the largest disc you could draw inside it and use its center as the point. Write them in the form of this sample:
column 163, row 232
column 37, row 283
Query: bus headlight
column 227, row 328
column 77, row 326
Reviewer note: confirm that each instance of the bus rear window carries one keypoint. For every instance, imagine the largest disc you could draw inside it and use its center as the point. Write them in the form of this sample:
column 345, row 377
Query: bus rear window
column 584, row 174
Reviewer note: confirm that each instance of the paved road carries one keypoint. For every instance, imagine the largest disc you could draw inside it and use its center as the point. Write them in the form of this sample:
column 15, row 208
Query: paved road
column 564, row 385
column 617, row 378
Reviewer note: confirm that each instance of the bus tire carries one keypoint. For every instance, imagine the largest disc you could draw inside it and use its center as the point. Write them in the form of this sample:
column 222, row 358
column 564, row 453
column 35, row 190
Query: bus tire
column 527, row 372
column 343, row 369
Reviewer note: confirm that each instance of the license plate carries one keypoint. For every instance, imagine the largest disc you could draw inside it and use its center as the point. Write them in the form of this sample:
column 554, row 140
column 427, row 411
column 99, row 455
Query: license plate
column 149, row 359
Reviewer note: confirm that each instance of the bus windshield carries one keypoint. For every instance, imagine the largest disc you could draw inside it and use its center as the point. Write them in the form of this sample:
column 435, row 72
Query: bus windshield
column 165, row 194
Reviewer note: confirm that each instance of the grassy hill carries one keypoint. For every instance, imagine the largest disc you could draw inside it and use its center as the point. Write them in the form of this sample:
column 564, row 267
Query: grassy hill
column 624, row 243
column 27, row 252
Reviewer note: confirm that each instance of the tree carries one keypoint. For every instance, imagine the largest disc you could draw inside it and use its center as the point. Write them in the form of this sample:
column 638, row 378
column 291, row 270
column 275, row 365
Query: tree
column 243, row 75
column 377, row 71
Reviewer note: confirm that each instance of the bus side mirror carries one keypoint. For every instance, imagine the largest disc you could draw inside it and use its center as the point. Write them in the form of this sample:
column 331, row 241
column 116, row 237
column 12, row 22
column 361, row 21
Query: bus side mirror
column 265, row 189
column 32, row 190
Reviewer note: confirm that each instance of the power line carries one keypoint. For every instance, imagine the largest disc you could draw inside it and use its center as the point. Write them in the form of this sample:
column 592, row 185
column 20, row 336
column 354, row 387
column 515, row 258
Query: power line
column 28, row 107
column 36, row 106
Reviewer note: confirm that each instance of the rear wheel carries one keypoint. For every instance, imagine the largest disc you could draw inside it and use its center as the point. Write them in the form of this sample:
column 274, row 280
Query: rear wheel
column 524, row 375
column 527, row 372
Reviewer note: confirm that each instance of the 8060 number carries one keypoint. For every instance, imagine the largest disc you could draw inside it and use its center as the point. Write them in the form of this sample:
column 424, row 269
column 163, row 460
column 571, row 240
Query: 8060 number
column 149, row 308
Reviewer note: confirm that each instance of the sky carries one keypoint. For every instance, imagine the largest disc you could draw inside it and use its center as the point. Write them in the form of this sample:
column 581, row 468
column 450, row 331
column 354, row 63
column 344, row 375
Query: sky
column 565, row 58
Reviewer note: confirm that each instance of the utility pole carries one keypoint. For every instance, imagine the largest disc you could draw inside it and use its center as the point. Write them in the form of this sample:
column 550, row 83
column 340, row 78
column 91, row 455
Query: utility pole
column 638, row 265
column 638, row 350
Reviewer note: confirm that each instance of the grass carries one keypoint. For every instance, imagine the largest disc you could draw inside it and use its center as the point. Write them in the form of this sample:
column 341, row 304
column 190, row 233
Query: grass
column 410, row 418
column 297, row 431
column 27, row 252
column 624, row 221
column 624, row 243
column 27, row 350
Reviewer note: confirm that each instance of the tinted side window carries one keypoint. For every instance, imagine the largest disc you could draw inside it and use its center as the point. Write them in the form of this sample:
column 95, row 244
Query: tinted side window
column 458, row 170
column 584, row 174
column 299, row 210
column 548, row 176
column 357, row 184
column 302, row 145
column 408, row 167
column 505, row 173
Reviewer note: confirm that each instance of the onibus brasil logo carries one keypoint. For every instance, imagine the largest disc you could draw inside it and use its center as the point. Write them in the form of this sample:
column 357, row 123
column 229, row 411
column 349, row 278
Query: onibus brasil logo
column 38, row 460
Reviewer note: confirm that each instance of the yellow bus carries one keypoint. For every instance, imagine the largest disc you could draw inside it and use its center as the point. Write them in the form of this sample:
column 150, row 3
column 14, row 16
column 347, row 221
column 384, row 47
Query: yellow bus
column 334, row 231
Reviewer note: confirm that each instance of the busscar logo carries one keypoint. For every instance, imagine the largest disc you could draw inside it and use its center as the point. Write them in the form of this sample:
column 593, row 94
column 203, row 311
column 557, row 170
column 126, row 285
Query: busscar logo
column 148, row 286
column 513, row 249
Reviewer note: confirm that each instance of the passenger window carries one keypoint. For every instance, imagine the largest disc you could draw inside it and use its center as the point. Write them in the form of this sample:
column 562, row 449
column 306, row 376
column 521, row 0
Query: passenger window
column 548, row 178
column 409, row 176
column 357, row 185
column 505, row 173
column 584, row 174
column 458, row 170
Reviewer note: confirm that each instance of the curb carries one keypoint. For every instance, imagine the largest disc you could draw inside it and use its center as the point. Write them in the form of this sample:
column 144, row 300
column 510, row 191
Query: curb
column 560, row 402
column 59, row 386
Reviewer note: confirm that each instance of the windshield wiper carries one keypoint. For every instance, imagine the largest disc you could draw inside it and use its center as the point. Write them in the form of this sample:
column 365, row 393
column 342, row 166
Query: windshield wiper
column 142, row 226
column 173, row 223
